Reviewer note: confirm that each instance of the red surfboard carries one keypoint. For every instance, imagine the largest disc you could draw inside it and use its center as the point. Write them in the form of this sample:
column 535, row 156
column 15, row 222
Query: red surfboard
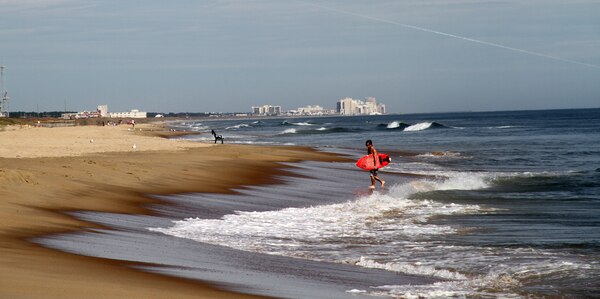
column 366, row 162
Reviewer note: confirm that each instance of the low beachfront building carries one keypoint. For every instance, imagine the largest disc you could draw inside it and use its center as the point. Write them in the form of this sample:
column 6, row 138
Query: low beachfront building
column 311, row 110
column 102, row 111
column 134, row 113
column 81, row 115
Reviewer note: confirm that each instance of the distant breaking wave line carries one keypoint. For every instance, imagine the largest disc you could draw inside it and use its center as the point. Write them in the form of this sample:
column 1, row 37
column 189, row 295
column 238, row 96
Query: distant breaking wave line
column 450, row 35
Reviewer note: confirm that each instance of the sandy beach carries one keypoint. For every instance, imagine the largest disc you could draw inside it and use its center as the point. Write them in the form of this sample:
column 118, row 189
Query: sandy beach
column 47, row 172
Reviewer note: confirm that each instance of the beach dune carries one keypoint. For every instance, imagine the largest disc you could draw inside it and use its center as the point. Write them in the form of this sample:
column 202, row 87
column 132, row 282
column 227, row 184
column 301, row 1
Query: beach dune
column 47, row 172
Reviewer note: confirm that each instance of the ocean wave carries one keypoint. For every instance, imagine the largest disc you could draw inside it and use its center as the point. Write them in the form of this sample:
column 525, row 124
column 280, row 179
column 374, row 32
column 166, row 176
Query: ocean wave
column 411, row 268
column 289, row 131
column 500, row 280
column 324, row 130
column 342, row 225
column 321, row 130
column 440, row 155
column 195, row 127
column 394, row 125
column 374, row 218
column 302, row 124
column 424, row 126
column 395, row 227
column 545, row 181
column 237, row 127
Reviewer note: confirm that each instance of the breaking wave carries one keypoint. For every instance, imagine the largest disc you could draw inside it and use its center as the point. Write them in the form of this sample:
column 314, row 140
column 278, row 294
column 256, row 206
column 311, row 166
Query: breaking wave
column 395, row 125
column 237, row 127
column 424, row 126
column 289, row 131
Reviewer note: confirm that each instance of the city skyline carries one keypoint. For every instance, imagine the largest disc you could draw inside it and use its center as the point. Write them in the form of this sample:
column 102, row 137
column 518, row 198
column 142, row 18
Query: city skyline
column 419, row 56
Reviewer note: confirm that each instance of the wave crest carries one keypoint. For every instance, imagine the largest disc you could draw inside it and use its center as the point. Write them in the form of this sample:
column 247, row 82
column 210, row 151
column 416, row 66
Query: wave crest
column 424, row 126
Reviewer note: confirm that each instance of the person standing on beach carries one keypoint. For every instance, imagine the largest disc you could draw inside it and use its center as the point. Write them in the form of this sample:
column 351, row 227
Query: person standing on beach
column 372, row 151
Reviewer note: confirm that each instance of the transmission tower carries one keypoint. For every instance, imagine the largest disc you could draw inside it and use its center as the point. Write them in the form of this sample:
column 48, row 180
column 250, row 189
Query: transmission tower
column 3, row 94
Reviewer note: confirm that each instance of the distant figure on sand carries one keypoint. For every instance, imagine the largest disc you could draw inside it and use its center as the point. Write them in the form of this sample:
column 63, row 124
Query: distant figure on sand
column 217, row 137
column 372, row 151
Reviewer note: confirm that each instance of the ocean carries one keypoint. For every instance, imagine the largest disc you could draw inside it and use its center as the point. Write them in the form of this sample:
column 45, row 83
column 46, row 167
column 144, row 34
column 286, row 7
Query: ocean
column 477, row 204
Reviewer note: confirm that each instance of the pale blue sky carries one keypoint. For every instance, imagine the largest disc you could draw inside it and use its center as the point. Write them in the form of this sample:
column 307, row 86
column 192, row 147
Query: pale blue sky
column 194, row 56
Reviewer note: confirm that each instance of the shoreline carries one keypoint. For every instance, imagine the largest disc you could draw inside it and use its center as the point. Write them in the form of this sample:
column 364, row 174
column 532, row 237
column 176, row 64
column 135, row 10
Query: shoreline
column 41, row 187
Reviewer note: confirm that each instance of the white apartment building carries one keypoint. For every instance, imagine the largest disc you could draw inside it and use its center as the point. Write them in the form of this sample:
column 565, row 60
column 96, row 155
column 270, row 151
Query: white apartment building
column 266, row 110
column 103, row 110
column 347, row 106
column 310, row 110
column 350, row 106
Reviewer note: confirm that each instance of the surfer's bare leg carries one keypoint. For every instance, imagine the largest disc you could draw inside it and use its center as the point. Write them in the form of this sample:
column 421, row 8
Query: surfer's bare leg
column 373, row 178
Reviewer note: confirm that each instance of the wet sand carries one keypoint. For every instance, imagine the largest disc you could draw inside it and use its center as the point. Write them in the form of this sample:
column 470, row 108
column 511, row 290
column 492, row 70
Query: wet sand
column 46, row 173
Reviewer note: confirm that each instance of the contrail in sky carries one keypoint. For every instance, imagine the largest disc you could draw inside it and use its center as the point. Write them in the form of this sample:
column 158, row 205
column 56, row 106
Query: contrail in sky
column 350, row 13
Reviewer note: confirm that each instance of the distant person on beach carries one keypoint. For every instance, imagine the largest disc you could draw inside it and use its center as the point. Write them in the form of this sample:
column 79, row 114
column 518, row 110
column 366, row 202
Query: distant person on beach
column 217, row 137
column 372, row 151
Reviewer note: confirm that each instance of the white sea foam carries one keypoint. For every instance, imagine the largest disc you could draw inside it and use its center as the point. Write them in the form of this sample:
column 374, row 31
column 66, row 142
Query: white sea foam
column 200, row 138
column 289, row 131
column 196, row 127
column 502, row 280
column 302, row 124
column 321, row 129
column 238, row 126
column 411, row 268
column 356, row 291
column 393, row 125
column 504, row 127
column 294, row 231
column 440, row 155
column 418, row 127
column 465, row 181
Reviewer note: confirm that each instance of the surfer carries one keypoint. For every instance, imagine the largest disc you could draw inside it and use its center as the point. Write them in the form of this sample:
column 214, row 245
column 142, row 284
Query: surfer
column 372, row 151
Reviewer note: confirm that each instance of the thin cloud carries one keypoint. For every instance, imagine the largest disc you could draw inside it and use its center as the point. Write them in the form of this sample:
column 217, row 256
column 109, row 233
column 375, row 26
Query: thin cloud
column 441, row 33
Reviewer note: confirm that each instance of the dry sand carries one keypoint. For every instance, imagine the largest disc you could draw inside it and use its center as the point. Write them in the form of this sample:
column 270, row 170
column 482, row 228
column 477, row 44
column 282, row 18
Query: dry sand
column 45, row 172
column 33, row 142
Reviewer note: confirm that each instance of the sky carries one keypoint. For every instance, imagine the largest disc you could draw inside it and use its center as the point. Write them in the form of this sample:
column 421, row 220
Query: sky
column 416, row 56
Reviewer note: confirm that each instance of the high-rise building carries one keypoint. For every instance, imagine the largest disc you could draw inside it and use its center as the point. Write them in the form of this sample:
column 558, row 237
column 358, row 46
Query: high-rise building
column 349, row 106
column 381, row 108
column 266, row 110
